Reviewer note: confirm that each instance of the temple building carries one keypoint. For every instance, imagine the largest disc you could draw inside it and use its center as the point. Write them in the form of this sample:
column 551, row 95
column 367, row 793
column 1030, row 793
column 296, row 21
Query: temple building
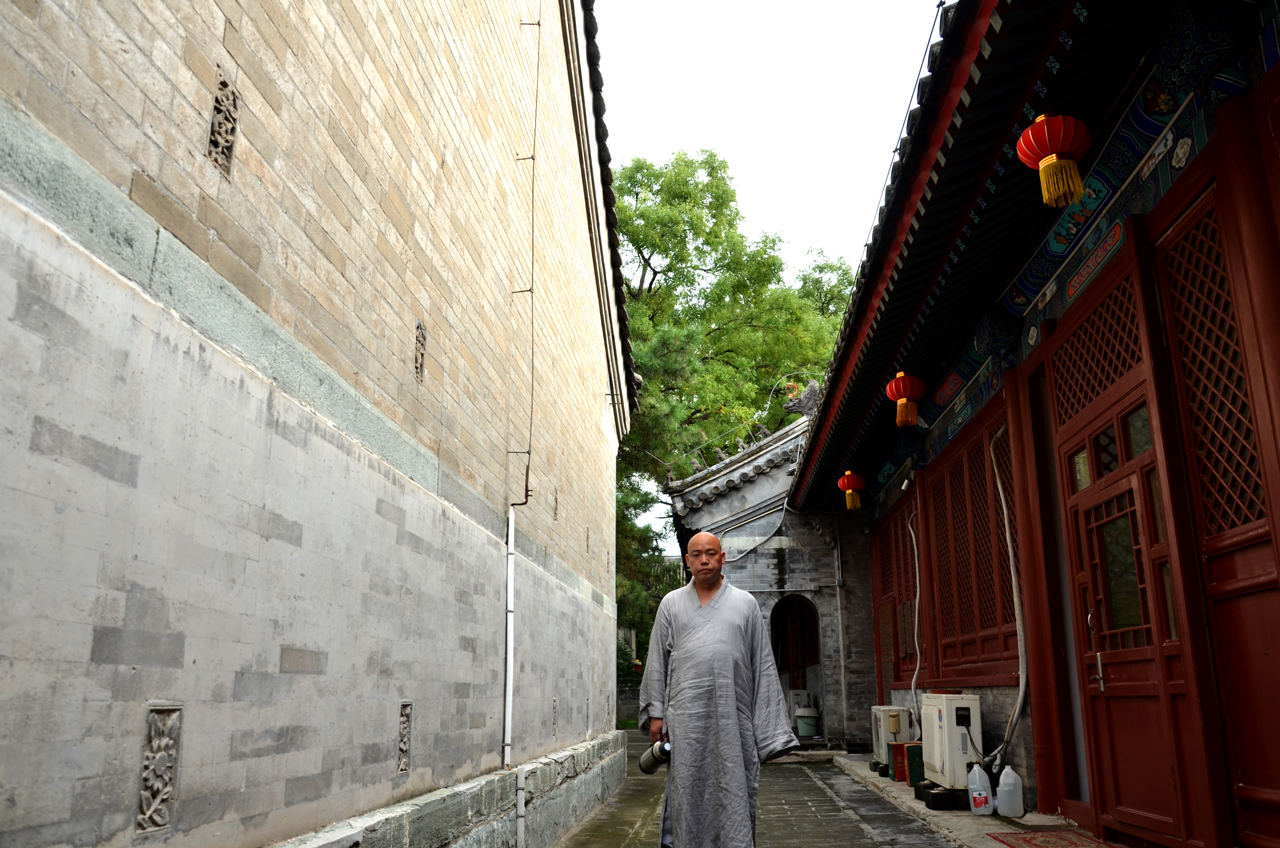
column 1085, row 421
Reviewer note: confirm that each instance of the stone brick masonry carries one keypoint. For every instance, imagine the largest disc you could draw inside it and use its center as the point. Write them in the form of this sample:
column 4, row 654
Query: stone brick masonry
column 376, row 183
column 178, row 534
column 251, row 544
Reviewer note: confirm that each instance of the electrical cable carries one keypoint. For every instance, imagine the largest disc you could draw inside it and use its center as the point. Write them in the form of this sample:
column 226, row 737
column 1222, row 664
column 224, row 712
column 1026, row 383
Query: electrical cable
column 532, row 158
column 928, row 43
column 1016, row 586
column 969, row 730
column 915, row 620
column 753, row 419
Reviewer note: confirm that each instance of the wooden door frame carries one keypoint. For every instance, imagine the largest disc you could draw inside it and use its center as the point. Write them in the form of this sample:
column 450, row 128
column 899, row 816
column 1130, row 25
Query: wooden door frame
column 1226, row 175
column 1048, row 731
column 1046, row 685
column 1137, row 392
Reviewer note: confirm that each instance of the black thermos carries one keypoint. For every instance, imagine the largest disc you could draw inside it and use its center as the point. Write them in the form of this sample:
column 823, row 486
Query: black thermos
column 654, row 756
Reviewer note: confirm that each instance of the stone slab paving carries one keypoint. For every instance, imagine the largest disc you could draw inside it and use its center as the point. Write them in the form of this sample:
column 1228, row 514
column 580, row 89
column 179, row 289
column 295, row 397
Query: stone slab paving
column 801, row 804
column 961, row 827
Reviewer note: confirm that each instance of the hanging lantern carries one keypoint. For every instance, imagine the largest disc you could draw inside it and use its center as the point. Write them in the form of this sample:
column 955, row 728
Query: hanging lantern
column 1053, row 145
column 906, row 391
column 850, row 483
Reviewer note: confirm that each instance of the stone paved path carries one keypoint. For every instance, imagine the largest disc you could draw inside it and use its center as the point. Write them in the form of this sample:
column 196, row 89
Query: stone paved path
column 811, row 805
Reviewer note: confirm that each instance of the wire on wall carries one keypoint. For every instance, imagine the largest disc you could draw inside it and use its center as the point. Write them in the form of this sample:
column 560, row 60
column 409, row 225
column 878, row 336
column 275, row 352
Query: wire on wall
column 532, row 159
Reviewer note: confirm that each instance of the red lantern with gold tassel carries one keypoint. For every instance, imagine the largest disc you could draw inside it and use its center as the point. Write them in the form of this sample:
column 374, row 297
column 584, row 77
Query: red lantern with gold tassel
column 906, row 391
column 1053, row 145
column 851, row 483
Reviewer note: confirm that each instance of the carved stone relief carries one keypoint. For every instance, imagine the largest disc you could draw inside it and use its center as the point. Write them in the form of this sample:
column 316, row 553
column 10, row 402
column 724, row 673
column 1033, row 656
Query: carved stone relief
column 225, row 124
column 406, row 728
column 159, row 769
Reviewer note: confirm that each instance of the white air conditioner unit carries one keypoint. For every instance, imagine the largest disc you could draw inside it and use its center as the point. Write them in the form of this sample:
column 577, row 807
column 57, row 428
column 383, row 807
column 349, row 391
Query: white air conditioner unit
column 888, row 724
column 951, row 724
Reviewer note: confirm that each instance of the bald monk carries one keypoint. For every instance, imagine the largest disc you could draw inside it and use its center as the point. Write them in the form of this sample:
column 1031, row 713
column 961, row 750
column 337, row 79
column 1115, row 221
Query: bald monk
column 712, row 688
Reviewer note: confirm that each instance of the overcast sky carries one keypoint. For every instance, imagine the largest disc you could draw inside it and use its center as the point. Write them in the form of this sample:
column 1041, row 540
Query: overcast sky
column 804, row 100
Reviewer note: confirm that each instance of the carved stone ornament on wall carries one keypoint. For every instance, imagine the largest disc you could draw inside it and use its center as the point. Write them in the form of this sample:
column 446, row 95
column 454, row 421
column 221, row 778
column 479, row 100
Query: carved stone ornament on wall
column 159, row 769
column 225, row 124
column 406, row 726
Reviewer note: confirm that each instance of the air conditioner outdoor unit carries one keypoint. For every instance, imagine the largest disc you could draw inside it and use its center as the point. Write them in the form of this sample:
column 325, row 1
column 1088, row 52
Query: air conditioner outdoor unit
column 951, row 725
column 884, row 720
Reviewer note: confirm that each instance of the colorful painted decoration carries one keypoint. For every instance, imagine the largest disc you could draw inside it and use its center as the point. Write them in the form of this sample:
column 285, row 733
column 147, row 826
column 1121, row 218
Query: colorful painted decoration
column 850, row 484
column 1053, row 145
column 906, row 391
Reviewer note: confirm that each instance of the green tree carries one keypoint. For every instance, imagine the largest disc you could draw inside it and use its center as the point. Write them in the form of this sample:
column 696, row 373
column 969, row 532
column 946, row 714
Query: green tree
column 716, row 331
column 714, row 324
column 827, row 284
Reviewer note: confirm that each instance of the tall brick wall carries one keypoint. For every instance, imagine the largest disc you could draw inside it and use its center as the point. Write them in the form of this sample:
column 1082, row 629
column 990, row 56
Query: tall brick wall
column 224, row 489
column 375, row 184
column 178, row 533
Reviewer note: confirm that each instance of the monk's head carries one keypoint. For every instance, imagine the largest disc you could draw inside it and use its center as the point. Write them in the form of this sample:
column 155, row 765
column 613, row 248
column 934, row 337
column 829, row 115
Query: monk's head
column 705, row 559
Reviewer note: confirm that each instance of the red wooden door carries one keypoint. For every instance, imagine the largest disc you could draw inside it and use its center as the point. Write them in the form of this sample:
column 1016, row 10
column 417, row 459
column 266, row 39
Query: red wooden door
column 1120, row 558
column 1145, row 742
column 1227, row 432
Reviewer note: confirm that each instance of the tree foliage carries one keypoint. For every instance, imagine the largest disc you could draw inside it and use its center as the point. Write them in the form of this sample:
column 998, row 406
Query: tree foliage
column 715, row 326
column 716, row 330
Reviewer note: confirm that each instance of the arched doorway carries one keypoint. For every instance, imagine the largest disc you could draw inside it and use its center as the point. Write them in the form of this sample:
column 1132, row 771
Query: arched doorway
column 793, row 630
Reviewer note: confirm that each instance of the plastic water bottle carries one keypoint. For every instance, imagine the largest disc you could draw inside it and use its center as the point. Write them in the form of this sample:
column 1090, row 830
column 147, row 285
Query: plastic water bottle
column 1009, row 794
column 980, row 800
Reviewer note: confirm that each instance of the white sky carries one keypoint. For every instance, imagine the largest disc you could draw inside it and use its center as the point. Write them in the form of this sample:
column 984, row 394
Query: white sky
column 804, row 100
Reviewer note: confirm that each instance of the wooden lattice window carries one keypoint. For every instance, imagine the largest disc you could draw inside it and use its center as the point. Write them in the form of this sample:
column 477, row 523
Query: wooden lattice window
column 969, row 553
column 1213, row 380
column 942, row 555
column 1100, row 351
column 1004, row 471
column 896, row 599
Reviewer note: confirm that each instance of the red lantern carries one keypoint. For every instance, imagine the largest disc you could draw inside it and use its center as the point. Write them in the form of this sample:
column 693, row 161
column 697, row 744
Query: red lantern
column 906, row 391
column 850, row 483
column 639, row 666
column 1053, row 145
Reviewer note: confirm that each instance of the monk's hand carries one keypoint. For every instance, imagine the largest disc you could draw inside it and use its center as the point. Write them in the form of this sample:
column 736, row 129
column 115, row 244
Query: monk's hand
column 655, row 729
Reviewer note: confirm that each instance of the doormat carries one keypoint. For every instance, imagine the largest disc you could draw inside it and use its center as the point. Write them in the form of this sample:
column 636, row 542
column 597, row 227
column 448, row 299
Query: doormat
column 1045, row 839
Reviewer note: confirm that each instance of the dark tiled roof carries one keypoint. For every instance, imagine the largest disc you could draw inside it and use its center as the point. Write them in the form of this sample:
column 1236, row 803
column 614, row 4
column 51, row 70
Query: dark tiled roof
column 899, row 319
column 611, row 217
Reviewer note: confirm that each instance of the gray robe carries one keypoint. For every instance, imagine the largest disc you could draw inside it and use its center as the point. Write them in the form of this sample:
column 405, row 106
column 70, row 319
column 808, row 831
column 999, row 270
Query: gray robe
column 712, row 680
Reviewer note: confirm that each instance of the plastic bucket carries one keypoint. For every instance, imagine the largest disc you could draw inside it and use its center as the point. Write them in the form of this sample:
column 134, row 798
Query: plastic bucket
column 806, row 726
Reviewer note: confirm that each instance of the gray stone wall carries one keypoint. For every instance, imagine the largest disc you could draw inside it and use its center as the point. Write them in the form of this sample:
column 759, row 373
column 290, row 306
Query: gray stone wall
column 859, row 636
column 559, row 791
column 797, row 559
column 178, row 533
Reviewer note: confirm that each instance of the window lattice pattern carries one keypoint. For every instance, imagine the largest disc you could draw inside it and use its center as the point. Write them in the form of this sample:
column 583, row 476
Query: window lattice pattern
column 974, row 590
column 960, row 524
column 1004, row 468
column 1213, row 379
column 897, row 590
column 886, row 565
column 942, row 542
column 981, row 506
column 1102, row 350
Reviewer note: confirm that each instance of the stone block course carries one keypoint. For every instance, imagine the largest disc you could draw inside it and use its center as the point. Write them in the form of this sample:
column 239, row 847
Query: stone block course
column 189, row 520
column 232, row 572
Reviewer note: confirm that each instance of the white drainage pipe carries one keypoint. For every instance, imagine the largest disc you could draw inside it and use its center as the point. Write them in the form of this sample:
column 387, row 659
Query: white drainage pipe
column 511, row 649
